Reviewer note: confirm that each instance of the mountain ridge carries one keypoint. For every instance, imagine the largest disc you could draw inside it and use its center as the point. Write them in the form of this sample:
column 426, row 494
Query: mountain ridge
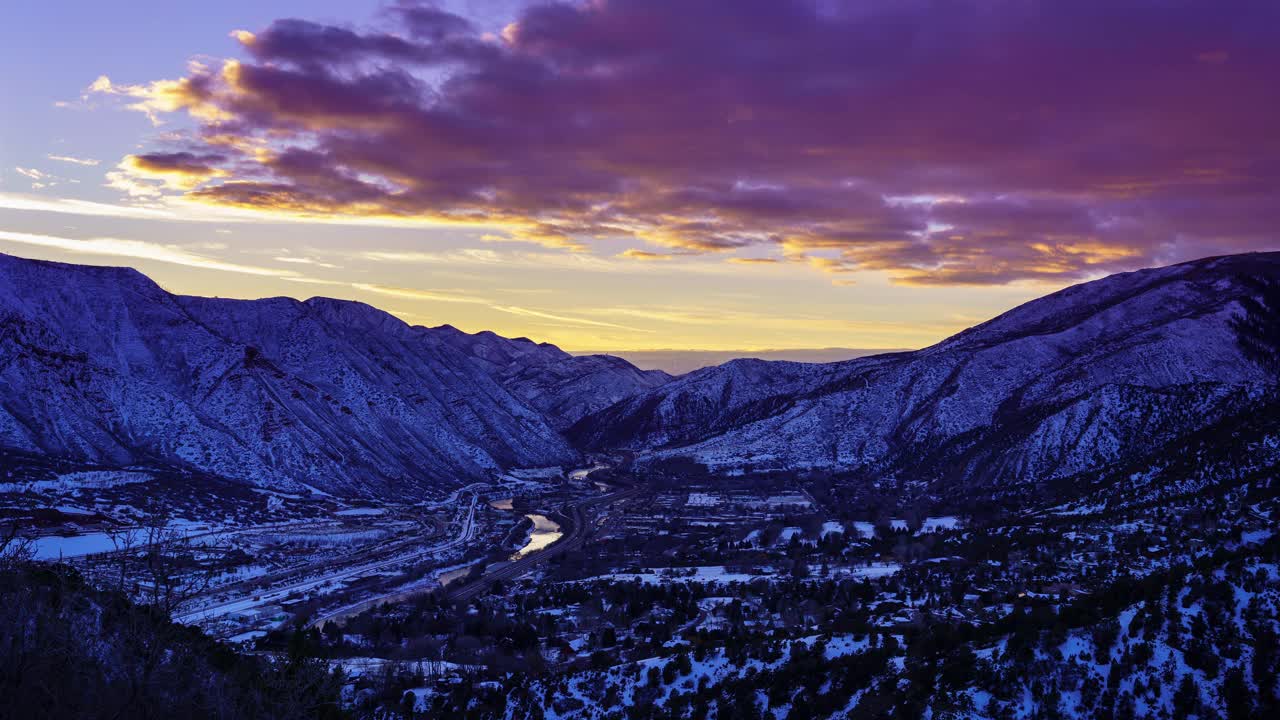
column 1087, row 368
column 100, row 364
column 103, row 366
column 681, row 362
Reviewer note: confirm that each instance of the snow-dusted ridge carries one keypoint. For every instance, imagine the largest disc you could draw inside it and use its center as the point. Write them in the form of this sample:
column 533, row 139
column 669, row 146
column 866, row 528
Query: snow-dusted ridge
column 1056, row 386
column 100, row 365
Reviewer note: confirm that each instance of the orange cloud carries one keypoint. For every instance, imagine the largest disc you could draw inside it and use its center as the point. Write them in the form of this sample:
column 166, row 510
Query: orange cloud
column 635, row 254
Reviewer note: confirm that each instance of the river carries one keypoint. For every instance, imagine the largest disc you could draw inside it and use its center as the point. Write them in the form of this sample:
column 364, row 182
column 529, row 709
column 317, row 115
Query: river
column 545, row 531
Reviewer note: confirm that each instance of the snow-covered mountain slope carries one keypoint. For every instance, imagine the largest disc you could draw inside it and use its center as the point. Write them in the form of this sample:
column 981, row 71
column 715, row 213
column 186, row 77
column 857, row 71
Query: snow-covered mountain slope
column 564, row 387
column 1056, row 386
column 101, row 365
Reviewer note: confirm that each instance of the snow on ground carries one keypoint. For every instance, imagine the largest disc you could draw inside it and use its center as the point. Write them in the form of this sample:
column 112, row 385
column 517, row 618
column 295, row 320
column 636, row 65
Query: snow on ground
column 781, row 500
column 191, row 527
column 243, row 572
column 349, row 512
column 1080, row 509
column 933, row 524
column 874, row 570
column 52, row 547
column 546, row 473
column 716, row 574
column 247, row 636
column 700, row 499
column 711, row 603
column 73, row 482
column 357, row 666
column 1254, row 537
column 321, row 539
column 655, row 576
column 938, row 524
column 714, row 668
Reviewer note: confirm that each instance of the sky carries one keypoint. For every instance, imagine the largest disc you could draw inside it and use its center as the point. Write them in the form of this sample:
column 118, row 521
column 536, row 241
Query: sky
column 643, row 174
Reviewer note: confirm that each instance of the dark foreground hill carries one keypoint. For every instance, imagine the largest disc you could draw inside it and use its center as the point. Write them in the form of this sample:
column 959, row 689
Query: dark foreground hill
column 68, row 650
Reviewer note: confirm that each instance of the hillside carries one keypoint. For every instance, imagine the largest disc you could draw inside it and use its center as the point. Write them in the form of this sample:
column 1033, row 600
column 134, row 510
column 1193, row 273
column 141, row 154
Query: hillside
column 102, row 366
column 72, row 651
column 1051, row 388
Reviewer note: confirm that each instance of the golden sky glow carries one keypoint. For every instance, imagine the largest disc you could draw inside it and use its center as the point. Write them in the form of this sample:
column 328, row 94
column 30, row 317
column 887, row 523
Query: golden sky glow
column 545, row 170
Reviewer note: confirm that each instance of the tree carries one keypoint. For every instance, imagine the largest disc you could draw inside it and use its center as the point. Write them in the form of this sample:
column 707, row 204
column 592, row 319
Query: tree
column 171, row 571
column 1186, row 701
column 125, row 540
column 14, row 548
column 1236, row 696
column 71, row 650
column 1258, row 329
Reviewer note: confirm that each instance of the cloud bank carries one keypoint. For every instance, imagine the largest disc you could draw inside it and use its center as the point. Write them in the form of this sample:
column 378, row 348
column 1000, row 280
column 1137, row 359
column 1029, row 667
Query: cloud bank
column 961, row 142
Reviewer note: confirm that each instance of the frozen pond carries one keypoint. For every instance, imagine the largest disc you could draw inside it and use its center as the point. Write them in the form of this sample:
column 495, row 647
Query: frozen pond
column 51, row 547
column 545, row 531
column 503, row 504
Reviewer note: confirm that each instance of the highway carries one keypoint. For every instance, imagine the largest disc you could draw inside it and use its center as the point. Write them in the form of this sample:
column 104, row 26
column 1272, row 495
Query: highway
column 468, row 533
column 256, row 595
column 580, row 517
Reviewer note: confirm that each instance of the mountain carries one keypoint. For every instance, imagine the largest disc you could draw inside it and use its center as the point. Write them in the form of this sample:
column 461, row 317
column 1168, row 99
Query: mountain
column 1054, row 387
column 563, row 387
column 679, row 362
column 101, row 366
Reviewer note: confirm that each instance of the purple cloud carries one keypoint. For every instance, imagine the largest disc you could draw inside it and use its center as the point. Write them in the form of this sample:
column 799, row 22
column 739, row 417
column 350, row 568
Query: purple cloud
column 944, row 142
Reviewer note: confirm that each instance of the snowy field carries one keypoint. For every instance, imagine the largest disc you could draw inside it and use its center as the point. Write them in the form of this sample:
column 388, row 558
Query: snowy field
column 719, row 575
column 701, row 499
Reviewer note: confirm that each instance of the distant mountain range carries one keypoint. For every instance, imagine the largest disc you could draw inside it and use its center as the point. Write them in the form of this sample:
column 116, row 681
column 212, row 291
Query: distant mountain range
column 100, row 366
column 679, row 362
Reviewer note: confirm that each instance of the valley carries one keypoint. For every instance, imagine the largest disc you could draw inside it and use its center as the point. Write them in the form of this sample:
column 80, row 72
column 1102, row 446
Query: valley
column 640, row 360
column 1067, row 511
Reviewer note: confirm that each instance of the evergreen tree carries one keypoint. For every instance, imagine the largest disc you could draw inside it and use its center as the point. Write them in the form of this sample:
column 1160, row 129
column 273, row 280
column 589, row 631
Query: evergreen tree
column 1258, row 329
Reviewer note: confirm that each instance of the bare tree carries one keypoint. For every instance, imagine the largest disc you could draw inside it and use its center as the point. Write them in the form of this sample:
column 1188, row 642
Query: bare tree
column 161, row 565
column 14, row 546
column 176, row 568
column 125, row 541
